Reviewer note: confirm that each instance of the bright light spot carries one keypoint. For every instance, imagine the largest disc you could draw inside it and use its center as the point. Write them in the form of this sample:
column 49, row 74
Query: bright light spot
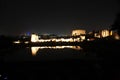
column 97, row 35
column 16, row 42
column 105, row 33
column 82, row 37
column 34, row 38
column 117, row 37
column 111, row 33
column 91, row 39
column 88, row 39
column 58, row 40
column 34, row 50
column 26, row 42
column 0, row 75
column 54, row 40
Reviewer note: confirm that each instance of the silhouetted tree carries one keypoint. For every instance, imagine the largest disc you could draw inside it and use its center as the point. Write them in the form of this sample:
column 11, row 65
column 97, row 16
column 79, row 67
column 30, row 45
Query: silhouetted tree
column 116, row 24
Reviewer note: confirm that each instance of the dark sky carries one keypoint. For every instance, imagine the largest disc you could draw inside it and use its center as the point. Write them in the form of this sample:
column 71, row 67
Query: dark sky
column 55, row 16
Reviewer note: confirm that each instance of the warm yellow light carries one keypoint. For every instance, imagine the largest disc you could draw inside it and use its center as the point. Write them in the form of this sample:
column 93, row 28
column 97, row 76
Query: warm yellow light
column 41, row 40
column 111, row 33
column 117, row 37
column 34, row 38
column 71, row 40
column 105, row 33
column 82, row 37
column 16, row 42
column 34, row 50
column 58, row 40
column 78, row 32
column 76, row 47
column 54, row 40
column 97, row 35
column 44, row 40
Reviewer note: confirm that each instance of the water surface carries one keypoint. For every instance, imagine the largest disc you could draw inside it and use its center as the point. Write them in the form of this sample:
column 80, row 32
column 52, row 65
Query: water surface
column 39, row 53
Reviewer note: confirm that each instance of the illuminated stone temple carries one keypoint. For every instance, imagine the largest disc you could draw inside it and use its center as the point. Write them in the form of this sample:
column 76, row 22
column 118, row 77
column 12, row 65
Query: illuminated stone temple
column 77, row 36
column 105, row 33
column 80, row 33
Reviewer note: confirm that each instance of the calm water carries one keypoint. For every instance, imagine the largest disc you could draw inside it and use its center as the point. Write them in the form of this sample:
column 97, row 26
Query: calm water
column 81, row 64
column 38, row 53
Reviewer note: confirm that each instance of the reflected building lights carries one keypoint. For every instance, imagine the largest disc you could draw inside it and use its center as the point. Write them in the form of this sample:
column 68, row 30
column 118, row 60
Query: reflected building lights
column 16, row 42
column 35, row 49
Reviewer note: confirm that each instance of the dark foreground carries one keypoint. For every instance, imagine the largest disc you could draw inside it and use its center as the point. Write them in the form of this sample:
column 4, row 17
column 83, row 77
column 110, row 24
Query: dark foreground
column 56, row 70
column 105, row 66
column 61, row 70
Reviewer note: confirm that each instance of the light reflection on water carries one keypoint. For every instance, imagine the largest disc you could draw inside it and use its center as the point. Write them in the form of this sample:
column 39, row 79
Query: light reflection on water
column 35, row 49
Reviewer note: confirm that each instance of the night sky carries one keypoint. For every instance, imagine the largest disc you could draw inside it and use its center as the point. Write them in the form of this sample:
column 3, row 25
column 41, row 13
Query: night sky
column 55, row 16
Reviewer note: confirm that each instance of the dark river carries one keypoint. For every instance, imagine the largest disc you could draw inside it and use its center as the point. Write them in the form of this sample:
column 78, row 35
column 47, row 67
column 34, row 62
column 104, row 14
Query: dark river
column 52, row 63
column 45, row 53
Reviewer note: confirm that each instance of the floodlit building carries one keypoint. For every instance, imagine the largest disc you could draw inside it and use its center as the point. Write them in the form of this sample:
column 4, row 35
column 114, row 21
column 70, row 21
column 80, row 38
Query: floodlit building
column 34, row 38
column 77, row 36
column 105, row 33
column 97, row 35
column 78, row 32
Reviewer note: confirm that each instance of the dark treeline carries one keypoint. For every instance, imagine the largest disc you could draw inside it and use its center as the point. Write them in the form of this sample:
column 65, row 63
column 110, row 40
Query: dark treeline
column 7, row 41
column 116, row 24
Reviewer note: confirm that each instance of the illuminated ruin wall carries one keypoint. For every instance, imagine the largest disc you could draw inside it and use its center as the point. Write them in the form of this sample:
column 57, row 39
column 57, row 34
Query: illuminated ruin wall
column 105, row 33
column 34, row 38
column 78, row 32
